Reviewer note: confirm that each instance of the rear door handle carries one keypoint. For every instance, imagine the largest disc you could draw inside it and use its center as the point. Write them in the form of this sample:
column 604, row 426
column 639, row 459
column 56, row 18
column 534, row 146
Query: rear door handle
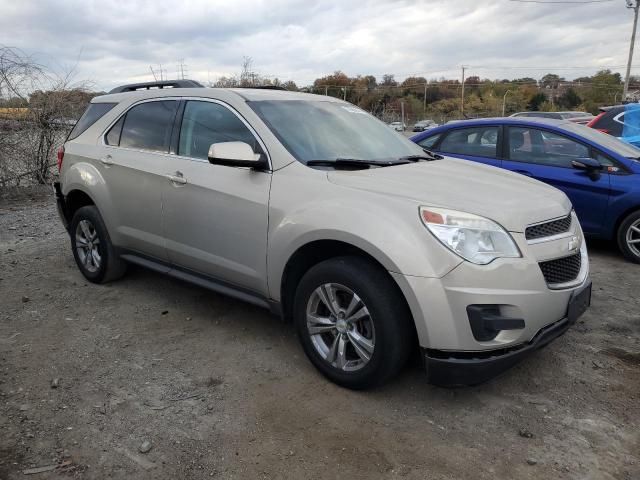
column 176, row 178
column 107, row 161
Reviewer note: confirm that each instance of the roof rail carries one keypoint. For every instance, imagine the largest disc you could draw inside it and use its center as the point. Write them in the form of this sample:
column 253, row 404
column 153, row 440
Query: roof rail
column 132, row 87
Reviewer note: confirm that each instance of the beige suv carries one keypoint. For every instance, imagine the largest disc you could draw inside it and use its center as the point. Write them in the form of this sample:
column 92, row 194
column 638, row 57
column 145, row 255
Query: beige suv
column 310, row 207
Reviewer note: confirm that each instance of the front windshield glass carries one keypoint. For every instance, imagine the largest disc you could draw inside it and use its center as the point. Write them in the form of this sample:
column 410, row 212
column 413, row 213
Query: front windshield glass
column 325, row 130
column 607, row 141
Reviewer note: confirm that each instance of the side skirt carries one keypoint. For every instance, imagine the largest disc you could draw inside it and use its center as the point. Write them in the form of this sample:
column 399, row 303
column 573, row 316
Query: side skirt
column 203, row 281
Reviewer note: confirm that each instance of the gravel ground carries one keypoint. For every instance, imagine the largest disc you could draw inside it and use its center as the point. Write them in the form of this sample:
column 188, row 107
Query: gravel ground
column 149, row 377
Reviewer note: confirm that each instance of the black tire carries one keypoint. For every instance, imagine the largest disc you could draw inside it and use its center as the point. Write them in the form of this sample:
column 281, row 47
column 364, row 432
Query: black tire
column 628, row 227
column 110, row 266
column 389, row 314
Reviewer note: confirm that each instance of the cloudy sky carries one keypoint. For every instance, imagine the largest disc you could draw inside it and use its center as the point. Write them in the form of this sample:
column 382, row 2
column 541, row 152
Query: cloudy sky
column 111, row 42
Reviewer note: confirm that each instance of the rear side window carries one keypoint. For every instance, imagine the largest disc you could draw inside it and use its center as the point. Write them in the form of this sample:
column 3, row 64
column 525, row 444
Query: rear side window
column 148, row 126
column 91, row 115
column 608, row 123
column 477, row 141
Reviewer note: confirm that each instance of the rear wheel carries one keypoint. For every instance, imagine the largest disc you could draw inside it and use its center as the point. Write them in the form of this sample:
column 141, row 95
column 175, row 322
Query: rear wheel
column 92, row 249
column 353, row 322
column 629, row 237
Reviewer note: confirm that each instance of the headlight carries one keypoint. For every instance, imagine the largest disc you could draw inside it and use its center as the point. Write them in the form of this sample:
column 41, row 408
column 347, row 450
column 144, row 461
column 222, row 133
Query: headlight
column 476, row 239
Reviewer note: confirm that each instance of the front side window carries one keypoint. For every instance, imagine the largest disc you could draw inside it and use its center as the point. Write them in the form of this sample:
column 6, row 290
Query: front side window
column 543, row 147
column 148, row 126
column 206, row 123
column 475, row 141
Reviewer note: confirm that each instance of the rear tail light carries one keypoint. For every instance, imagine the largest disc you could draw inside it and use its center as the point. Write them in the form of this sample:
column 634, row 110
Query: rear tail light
column 60, row 157
column 595, row 120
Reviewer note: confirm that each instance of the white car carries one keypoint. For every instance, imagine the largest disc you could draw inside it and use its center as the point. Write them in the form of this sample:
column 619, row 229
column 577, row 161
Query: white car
column 398, row 126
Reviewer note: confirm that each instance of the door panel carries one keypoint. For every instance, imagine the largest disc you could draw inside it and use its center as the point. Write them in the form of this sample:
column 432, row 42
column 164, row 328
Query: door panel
column 216, row 223
column 547, row 156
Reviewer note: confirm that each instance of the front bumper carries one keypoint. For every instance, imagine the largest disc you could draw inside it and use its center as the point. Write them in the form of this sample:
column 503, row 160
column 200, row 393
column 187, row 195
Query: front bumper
column 471, row 368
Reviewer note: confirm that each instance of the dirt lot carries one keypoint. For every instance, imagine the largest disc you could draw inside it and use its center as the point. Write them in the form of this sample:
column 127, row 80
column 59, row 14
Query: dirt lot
column 222, row 389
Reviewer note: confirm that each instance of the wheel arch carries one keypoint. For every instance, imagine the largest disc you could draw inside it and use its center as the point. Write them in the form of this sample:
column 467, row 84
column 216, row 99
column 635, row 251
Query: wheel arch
column 314, row 252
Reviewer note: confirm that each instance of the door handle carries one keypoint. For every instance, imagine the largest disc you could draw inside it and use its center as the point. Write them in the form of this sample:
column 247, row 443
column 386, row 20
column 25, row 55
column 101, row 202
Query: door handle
column 176, row 177
column 107, row 161
column 524, row 172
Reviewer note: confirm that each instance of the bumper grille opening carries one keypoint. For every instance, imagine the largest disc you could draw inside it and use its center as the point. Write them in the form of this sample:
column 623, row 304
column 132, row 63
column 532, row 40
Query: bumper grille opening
column 561, row 270
column 548, row 229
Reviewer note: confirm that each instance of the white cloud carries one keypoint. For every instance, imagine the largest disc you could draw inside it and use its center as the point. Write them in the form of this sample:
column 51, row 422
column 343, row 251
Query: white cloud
column 115, row 41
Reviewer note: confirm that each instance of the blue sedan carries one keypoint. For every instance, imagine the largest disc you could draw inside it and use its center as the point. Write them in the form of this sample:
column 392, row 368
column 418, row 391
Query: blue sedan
column 598, row 172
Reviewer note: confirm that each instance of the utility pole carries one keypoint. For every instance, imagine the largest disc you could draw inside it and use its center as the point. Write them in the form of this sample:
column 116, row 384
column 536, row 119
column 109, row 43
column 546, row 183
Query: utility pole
column 326, row 90
column 504, row 101
column 462, row 97
column 631, row 4
column 153, row 73
column 424, row 103
column 402, row 113
column 344, row 97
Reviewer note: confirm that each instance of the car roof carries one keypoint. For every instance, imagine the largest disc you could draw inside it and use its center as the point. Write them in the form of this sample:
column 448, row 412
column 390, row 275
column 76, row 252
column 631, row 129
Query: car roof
column 248, row 94
column 507, row 120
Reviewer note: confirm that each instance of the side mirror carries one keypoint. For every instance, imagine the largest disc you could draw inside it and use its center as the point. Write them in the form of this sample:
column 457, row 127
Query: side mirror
column 591, row 167
column 588, row 164
column 235, row 154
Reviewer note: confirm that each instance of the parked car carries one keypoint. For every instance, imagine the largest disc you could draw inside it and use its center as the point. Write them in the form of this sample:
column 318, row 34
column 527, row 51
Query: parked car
column 577, row 117
column 398, row 126
column 312, row 208
column 423, row 125
column 621, row 121
column 599, row 173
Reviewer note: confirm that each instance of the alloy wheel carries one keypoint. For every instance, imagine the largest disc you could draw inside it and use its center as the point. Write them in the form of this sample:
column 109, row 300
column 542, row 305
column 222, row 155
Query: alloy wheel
column 633, row 237
column 340, row 327
column 87, row 246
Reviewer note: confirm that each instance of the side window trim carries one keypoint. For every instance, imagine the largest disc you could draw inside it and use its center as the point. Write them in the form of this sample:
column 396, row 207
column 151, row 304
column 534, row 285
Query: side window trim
column 178, row 127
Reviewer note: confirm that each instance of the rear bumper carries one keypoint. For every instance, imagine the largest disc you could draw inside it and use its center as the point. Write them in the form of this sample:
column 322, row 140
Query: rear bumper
column 471, row 368
column 61, row 204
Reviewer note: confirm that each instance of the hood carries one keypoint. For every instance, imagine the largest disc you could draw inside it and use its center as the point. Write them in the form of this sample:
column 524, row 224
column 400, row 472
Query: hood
column 512, row 200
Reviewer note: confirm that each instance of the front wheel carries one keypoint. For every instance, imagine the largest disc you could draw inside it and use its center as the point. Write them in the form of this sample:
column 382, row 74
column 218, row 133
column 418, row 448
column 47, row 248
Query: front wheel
column 629, row 237
column 353, row 322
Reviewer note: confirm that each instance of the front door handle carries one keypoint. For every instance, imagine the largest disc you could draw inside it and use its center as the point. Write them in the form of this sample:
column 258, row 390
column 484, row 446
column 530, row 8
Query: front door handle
column 177, row 178
column 107, row 161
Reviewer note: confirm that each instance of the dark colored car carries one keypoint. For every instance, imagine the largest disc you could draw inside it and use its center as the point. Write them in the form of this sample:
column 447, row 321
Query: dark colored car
column 599, row 173
column 423, row 125
column 622, row 121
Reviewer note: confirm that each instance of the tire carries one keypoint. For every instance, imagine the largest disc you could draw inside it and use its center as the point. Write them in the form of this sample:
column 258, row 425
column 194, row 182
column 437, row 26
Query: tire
column 370, row 338
column 103, row 264
column 629, row 237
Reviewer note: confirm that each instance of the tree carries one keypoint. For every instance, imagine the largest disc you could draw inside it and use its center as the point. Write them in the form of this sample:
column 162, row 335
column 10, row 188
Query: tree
column 551, row 80
column 569, row 99
column 388, row 80
column 536, row 101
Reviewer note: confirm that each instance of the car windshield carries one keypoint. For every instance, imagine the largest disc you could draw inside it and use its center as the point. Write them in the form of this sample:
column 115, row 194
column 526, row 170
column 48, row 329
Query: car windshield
column 327, row 130
column 607, row 141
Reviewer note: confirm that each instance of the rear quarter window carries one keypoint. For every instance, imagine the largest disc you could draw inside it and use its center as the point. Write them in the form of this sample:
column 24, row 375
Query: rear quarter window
column 93, row 113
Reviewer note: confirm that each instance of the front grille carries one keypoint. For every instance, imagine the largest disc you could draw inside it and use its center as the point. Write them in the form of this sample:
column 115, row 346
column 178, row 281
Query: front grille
column 548, row 229
column 561, row 270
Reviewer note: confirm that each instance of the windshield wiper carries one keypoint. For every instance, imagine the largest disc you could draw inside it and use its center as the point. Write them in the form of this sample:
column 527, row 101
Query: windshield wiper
column 428, row 156
column 356, row 163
